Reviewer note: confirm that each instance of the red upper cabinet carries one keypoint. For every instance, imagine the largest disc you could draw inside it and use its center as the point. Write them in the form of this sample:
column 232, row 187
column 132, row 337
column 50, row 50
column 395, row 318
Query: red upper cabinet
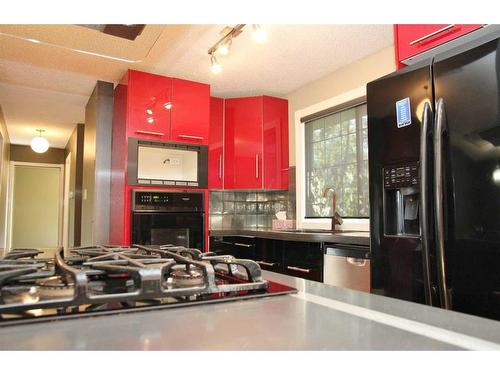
column 216, row 144
column 256, row 143
column 275, row 137
column 243, row 143
column 410, row 40
column 190, row 111
column 148, row 109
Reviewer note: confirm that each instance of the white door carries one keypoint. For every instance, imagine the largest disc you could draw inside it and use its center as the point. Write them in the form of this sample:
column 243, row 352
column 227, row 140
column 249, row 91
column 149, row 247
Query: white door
column 36, row 206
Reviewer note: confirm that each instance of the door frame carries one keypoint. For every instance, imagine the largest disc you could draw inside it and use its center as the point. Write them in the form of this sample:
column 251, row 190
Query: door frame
column 10, row 196
column 66, row 201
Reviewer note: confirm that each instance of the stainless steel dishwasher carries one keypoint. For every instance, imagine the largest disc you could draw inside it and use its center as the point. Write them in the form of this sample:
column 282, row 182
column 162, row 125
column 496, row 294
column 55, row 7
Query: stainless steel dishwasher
column 347, row 266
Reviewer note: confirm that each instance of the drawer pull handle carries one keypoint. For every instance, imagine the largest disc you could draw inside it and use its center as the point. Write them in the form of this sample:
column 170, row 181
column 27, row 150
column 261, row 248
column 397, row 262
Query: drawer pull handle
column 190, row 136
column 149, row 132
column 265, row 263
column 416, row 41
column 305, row 270
column 356, row 261
column 242, row 244
column 220, row 167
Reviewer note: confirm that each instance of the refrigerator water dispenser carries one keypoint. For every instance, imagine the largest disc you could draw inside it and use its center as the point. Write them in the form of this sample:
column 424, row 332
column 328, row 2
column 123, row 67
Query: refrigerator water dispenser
column 401, row 200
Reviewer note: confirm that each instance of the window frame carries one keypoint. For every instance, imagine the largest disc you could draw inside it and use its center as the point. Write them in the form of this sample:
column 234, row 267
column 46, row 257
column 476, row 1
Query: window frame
column 353, row 104
column 362, row 224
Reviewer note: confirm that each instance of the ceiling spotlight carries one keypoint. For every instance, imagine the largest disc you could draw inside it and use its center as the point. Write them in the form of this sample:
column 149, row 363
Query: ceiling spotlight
column 216, row 67
column 39, row 144
column 167, row 105
column 223, row 48
column 259, row 34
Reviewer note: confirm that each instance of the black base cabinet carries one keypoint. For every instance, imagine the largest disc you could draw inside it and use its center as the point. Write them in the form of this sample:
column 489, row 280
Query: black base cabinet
column 294, row 258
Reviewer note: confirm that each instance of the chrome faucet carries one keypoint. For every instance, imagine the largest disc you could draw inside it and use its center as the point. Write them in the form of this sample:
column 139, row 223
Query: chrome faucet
column 336, row 218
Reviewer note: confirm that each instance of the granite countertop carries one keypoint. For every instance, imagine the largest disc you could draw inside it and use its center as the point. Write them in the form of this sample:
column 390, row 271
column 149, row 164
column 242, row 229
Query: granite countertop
column 318, row 317
column 345, row 237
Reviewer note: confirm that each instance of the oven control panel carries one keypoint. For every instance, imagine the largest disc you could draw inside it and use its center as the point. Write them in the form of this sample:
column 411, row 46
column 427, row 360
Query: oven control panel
column 402, row 175
column 167, row 201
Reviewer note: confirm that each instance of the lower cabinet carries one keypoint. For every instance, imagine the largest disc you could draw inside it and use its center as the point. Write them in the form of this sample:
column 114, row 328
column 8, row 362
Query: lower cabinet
column 294, row 258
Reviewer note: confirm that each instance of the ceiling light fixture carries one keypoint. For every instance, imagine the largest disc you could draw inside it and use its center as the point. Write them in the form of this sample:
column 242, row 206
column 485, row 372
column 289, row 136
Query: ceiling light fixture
column 216, row 67
column 259, row 34
column 223, row 49
column 223, row 45
column 39, row 144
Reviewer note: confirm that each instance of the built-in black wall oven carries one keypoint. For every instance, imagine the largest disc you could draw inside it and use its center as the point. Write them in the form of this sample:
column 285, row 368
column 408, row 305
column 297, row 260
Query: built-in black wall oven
column 168, row 217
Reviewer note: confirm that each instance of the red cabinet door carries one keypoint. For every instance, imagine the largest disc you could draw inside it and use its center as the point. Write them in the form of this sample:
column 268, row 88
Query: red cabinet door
column 190, row 111
column 216, row 144
column 414, row 39
column 275, row 137
column 243, row 143
column 148, row 112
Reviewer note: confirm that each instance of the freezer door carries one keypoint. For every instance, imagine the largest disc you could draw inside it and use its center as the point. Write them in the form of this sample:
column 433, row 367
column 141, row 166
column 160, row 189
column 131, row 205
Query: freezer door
column 467, row 86
column 396, row 106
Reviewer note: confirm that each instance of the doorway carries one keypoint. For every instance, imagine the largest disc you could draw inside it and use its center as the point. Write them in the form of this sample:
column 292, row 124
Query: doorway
column 35, row 217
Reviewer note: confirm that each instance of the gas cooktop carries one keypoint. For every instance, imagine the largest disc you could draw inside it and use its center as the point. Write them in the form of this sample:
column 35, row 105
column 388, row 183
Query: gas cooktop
column 113, row 279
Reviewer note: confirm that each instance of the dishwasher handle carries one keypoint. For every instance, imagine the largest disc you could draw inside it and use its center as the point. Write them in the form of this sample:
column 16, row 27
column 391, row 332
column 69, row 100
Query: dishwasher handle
column 348, row 251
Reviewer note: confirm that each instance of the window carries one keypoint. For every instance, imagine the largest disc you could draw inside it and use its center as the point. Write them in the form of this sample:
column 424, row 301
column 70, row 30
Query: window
column 336, row 156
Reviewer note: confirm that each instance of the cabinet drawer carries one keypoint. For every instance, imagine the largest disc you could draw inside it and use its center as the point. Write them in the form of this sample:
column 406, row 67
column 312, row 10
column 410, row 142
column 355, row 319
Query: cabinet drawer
column 269, row 255
column 303, row 259
column 414, row 39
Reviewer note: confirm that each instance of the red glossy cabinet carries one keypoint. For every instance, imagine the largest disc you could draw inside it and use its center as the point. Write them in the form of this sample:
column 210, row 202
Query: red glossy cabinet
column 410, row 40
column 256, row 143
column 190, row 111
column 216, row 144
column 149, row 104
column 243, row 143
column 275, row 137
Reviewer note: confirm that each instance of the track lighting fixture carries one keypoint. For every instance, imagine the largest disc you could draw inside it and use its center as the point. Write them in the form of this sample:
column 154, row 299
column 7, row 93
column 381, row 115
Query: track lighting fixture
column 216, row 67
column 222, row 47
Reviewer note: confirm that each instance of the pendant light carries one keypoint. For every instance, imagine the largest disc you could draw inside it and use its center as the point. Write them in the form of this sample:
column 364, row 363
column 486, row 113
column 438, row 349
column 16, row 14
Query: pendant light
column 39, row 144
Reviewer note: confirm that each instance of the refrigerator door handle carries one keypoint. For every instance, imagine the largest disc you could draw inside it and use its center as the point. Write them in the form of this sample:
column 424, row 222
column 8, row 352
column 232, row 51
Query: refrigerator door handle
column 439, row 204
column 424, row 201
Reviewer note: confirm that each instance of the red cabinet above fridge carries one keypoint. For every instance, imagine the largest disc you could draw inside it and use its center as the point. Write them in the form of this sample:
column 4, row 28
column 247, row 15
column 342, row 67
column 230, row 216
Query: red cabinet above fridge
column 411, row 40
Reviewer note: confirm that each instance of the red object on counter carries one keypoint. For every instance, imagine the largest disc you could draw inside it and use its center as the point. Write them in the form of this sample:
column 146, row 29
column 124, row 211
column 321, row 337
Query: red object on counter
column 410, row 40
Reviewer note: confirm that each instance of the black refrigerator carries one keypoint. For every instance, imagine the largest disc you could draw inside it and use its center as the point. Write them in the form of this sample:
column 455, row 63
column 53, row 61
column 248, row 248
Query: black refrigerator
column 434, row 164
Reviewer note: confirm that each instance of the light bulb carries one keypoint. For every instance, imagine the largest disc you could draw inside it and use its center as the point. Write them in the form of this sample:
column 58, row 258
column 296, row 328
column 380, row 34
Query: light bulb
column 39, row 145
column 259, row 35
column 216, row 67
column 496, row 175
column 223, row 48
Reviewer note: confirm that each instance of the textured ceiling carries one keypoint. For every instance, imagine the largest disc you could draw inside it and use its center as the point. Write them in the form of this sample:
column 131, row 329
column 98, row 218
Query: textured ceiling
column 48, row 84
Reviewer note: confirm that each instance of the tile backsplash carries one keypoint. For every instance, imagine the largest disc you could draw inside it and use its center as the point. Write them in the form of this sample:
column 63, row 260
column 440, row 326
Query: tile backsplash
column 250, row 209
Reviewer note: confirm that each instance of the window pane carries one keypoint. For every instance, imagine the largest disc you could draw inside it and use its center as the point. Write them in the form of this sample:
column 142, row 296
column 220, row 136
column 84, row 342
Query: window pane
column 334, row 160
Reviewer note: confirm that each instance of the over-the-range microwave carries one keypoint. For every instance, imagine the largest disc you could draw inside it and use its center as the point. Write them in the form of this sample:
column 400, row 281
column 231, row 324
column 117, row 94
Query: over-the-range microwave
column 167, row 163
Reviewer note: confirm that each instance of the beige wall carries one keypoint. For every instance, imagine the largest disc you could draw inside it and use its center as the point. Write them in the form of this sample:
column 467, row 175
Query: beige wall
column 352, row 76
column 4, row 175
column 26, row 154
